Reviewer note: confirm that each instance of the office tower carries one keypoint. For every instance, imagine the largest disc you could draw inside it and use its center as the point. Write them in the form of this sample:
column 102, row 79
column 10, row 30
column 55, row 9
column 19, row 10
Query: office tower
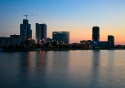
column 62, row 37
column 95, row 33
column 111, row 40
column 41, row 33
column 25, row 30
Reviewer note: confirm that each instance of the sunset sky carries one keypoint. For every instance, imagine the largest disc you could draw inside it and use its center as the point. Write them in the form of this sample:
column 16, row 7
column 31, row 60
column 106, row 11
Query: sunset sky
column 76, row 16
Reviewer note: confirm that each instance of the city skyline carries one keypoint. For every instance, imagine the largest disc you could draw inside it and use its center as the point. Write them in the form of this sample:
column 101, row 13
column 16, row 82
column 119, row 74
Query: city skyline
column 76, row 16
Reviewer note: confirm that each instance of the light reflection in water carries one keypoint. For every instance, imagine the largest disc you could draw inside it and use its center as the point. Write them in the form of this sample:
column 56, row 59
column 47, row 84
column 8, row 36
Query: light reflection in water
column 40, row 57
column 95, row 74
column 63, row 69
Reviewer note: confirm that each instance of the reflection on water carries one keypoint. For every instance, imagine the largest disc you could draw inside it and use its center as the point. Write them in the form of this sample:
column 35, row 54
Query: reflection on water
column 95, row 69
column 63, row 69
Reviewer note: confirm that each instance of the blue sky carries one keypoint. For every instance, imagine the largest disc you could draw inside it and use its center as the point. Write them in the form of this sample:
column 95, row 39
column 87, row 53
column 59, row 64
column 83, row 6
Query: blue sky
column 76, row 16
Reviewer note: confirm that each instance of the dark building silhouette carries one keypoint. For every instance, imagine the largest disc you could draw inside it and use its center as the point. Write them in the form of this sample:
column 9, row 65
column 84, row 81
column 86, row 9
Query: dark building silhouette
column 62, row 37
column 95, row 33
column 111, row 40
column 14, row 36
column 41, row 33
column 25, row 30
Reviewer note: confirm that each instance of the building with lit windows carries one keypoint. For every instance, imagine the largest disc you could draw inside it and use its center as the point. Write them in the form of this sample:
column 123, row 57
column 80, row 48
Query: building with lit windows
column 62, row 37
column 25, row 30
column 41, row 33
column 95, row 33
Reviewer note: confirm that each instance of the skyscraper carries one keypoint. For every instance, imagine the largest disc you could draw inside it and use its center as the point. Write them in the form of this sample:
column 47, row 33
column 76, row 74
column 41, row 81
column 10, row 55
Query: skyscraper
column 111, row 40
column 25, row 30
column 95, row 33
column 41, row 33
column 61, row 37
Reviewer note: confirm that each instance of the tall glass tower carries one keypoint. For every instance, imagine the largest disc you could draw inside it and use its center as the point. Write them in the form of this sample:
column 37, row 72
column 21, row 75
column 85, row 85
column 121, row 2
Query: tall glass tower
column 41, row 33
column 25, row 30
column 95, row 33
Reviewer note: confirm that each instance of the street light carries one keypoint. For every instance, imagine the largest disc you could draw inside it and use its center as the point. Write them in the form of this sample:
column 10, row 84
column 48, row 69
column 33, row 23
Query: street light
column 42, row 41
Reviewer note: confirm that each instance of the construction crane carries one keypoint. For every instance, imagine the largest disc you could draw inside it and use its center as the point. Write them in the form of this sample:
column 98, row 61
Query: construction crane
column 26, row 15
column 29, row 15
column 41, row 22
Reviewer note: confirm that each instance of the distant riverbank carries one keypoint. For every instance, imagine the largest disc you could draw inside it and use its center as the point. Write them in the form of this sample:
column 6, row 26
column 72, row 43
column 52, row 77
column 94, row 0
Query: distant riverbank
column 46, row 49
column 37, row 49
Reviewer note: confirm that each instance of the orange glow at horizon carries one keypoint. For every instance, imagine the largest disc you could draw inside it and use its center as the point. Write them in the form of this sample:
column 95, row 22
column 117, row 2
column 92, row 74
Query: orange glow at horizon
column 78, row 35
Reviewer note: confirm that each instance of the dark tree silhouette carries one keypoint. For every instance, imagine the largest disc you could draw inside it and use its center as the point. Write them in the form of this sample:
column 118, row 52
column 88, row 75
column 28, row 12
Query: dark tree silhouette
column 54, row 43
column 46, row 45
column 16, row 46
column 4, row 46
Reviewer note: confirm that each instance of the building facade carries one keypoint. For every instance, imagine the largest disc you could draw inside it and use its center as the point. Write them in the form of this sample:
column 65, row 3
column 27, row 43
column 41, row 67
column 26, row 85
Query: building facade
column 25, row 31
column 111, row 40
column 87, row 44
column 95, row 33
column 62, row 37
column 41, row 33
column 9, row 41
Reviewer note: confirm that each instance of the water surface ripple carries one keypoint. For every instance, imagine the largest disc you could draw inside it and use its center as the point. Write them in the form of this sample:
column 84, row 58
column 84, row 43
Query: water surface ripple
column 63, row 69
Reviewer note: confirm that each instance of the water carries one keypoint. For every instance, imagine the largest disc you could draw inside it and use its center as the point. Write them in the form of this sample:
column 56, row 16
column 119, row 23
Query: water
column 63, row 69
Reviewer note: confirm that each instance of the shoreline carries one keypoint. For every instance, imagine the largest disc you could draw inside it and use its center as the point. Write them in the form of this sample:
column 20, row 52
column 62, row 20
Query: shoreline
column 46, row 49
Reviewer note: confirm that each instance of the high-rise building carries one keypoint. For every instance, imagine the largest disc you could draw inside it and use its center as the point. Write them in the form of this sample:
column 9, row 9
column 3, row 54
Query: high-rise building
column 62, row 37
column 25, row 30
column 111, row 40
column 95, row 33
column 41, row 33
